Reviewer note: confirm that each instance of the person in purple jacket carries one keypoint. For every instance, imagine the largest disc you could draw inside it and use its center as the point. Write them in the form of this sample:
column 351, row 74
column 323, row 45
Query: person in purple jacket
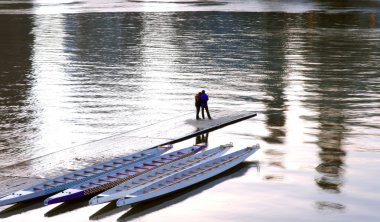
column 203, row 100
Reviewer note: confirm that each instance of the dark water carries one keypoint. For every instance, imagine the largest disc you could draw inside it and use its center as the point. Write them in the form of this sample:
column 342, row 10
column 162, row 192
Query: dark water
column 75, row 71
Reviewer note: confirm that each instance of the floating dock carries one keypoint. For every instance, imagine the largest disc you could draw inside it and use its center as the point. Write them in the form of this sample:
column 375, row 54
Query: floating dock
column 39, row 169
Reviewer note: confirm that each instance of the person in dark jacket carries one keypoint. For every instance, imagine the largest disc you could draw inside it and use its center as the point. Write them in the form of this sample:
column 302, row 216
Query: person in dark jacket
column 198, row 103
column 203, row 100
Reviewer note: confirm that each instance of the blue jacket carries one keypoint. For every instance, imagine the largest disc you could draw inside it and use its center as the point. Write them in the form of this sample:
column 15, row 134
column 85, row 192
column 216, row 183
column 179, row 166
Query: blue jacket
column 204, row 99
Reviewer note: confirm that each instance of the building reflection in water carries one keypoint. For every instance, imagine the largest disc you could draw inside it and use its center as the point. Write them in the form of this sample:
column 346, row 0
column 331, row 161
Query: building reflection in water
column 273, row 83
column 272, row 50
column 329, row 206
column 331, row 105
column 372, row 20
column 330, row 115
column 372, row 15
column 331, row 168
column 16, row 106
column 332, row 69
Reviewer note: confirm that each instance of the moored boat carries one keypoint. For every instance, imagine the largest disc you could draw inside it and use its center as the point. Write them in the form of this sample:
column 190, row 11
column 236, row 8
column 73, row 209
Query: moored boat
column 188, row 177
column 79, row 176
column 120, row 175
column 150, row 177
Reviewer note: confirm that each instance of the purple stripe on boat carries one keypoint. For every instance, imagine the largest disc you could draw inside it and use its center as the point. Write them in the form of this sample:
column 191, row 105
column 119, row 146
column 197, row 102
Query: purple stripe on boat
column 68, row 194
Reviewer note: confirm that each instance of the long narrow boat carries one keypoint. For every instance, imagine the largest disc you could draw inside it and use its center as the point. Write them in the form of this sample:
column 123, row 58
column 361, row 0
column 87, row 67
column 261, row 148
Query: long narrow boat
column 188, row 177
column 79, row 176
column 150, row 177
column 118, row 176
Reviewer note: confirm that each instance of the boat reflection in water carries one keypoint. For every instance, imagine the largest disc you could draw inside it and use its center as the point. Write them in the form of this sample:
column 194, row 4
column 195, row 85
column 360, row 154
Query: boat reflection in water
column 22, row 207
column 67, row 206
column 160, row 203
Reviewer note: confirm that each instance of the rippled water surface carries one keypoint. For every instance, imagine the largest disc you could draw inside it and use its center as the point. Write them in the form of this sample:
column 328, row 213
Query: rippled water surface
column 77, row 71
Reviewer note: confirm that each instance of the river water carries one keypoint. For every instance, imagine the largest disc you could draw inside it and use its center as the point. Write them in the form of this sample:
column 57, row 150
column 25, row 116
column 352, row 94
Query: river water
column 76, row 71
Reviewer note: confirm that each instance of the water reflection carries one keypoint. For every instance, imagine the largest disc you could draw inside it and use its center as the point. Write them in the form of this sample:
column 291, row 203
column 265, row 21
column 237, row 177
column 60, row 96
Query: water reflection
column 348, row 5
column 67, row 206
column 48, row 60
column 274, row 81
column 332, row 156
column 335, row 108
column 201, row 138
column 108, row 211
column 171, row 199
column 372, row 20
column 22, row 207
column 329, row 206
column 17, row 112
column 106, row 63
column 70, row 78
column 89, row 6
column 158, row 204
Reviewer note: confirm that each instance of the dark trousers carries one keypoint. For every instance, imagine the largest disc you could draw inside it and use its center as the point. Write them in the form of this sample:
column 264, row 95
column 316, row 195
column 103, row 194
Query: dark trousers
column 203, row 112
column 198, row 109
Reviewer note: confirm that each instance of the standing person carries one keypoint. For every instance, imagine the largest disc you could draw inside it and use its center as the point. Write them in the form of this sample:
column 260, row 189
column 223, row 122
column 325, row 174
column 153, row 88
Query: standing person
column 198, row 103
column 204, row 99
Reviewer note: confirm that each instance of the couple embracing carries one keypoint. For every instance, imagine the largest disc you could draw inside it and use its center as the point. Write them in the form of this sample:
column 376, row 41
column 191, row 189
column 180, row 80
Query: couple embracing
column 201, row 99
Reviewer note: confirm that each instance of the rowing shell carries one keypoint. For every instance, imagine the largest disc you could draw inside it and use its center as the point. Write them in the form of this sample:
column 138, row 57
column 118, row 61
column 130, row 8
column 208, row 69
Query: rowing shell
column 188, row 177
column 73, row 178
column 147, row 179
column 118, row 176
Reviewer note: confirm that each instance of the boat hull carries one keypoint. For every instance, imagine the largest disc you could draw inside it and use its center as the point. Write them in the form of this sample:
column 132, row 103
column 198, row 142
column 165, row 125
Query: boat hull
column 116, row 177
column 140, row 196
column 149, row 178
column 77, row 177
